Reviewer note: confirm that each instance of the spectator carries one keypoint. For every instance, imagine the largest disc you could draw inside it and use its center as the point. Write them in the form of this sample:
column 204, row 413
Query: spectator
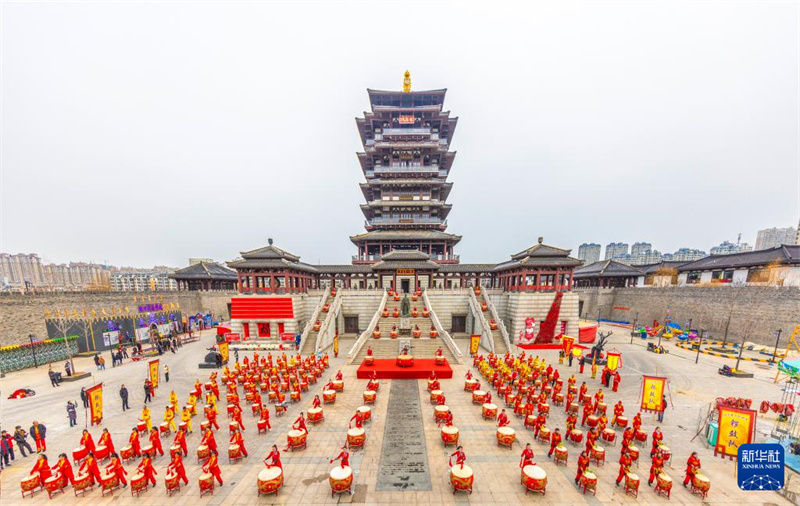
column 123, row 394
column 97, row 361
column 147, row 397
column 39, row 433
column 4, row 450
column 53, row 379
column 9, row 440
column 124, row 351
column 663, row 408
column 166, row 373
column 21, row 438
column 85, row 398
column 102, row 363
column 68, row 368
column 72, row 414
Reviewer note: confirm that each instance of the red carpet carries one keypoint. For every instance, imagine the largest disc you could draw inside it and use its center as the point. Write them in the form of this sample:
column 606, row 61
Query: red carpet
column 386, row 369
column 546, row 346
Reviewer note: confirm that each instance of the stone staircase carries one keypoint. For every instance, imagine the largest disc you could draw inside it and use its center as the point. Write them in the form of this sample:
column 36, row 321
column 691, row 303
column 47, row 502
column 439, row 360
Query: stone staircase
column 386, row 347
column 500, row 347
column 310, row 340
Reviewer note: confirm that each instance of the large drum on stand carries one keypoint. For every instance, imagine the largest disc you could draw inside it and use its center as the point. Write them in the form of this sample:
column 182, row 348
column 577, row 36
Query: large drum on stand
column 341, row 480
column 440, row 413
column 29, row 484
column 435, row 396
column 297, row 439
column 270, row 480
column 576, row 436
column 506, row 436
column 338, row 385
column 534, row 479
column 108, row 482
column 138, row 484
column 78, row 454
column 663, row 485
column 489, row 411
column 173, row 483
column 366, row 413
column 622, row 422
column 234, row 454
column 449, row 435
column 315, row 415
column 126, row 453
column 701, row 485
column 462, row 478
column 598, row 455
column 608, row 435
column 589, row 482
column 470, row 385
column 592, row 420
column 356, row 437
column 82, row 483
column 202, row 453
column 329, row 396
column 206, row 483
column 632, row 484
column 369, row 397
column 55, row 484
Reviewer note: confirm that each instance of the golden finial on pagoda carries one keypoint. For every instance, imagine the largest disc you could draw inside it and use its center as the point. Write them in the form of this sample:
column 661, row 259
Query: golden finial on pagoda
column 407, row 82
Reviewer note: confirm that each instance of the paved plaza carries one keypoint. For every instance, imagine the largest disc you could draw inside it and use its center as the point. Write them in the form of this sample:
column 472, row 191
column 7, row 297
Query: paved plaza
column 497, row 473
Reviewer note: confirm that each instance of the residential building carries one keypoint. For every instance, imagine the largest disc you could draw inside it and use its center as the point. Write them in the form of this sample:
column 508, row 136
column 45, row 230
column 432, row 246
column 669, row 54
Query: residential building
column 143, row 281
column 646, row 257
column 772, row 237
column 616, row 250
column 728, row 248
column 687, row 255
column 779, row 266
column 589, row 253
column 640, row 247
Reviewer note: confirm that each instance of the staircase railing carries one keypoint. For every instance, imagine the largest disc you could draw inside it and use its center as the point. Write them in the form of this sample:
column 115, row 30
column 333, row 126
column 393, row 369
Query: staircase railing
column 498, row 320
column 368, row 332
column 486, row 332
column 326, row 330
column 314, row 317
column 448, row 340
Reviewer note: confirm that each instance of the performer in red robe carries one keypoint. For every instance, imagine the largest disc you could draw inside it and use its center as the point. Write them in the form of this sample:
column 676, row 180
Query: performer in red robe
column 692, row 466
column 583, row 464
column 359, row 419
column 211, row 466
column 180, row 440
column 657, row 438
column 591, row 438
column 65, row 468
column 526, row 459
column 274, row 457
column 460, row 457
column 624, row 465
column 211, row 416
column 146, row 468
column 588, row 409
column 343, row 457
column 656, row 467
column 209, row 440
column 502, row 419
column 43, row 468
column 265, row 417
column 316, row 403
column 176, row 466
column 300, row 423
column 555, row 439
column 637, row 422
column 236, row 439
column 617, row 379
column 87, row 441
column 133, row 440
column 89, row 467
column 105, row 440
column 115, row 467
column 619, row 410
column 156, row 442
column 237, row 417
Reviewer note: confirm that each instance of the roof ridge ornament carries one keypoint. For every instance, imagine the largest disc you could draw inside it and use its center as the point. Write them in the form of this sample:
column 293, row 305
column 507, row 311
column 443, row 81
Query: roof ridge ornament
column 407, row 82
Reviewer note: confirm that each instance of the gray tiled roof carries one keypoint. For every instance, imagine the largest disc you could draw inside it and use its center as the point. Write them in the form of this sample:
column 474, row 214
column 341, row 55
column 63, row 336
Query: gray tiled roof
column 384, row 235
column 458, row 268
column 607, row 269
column 281, row 263
column 789, row 255
column 207, row 271
column 344, row 269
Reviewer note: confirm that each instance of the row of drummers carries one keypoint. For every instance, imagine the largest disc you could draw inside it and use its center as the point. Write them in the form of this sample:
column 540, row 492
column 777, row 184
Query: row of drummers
column 88, row 455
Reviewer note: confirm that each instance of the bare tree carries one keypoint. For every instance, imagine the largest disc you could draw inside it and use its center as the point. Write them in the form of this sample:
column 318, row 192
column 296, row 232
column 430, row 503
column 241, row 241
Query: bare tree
column 64, row 324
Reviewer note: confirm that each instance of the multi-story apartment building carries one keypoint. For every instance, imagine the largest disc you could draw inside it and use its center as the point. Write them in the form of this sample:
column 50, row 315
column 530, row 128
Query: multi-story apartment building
column 646, row 257
column 640, row 247
column 687, row 255
column 773, row 237
column 143, row 281
column 729, row 248
column 589, row 253
column 616, row 250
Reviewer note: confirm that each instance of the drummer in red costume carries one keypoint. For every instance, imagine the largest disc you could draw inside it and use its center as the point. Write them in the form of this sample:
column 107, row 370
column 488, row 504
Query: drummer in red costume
column 89, row 467
column 343, row 458
column 599, row 396
column 619, row 410
column 460, row 457
column 656, row 467
column 591, row 438
column 115, row 467
column 359, row 419
column 555, row 439
column 583, row 464
column 87, row 441
column 584, row 389
column 617, row 379
column 105, row 440
column 43, row 468
column 316, row 402
column 339, row 375
column 237, row 439
column 692, row 466
column 237, row 416
column 448, row 420
column 571, row 422
column 369, row 351
column 624, row 465
column 439, row 352
column 627, row 437
column 176, row 466
column 209, row 439
column 211, row 416
column 65, row 468
column 588, row 409
column 488, row 398
column 540, row 421
column 274, row 457
column 146, row 468
column 156, row 442
column 526, row 459
column 134, row 442
column 265, row 416
column 180, row 440
column 300, row 423
column 637, row 422
column 211, row 466
column 441, row 401
column 502, row 419
column 657, row 438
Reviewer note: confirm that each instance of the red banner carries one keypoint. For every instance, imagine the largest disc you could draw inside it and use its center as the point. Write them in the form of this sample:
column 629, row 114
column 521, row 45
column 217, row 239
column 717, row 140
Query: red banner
column 653, row 390
column 736, row 427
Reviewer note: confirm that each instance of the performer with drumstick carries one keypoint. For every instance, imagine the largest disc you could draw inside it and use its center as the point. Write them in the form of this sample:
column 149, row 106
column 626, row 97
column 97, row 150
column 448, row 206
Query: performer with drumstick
column 105, row 440
column 627, row 437
column 211, row 466
column 176, row 466
column 540, row 421
column 265, row 416
column 582, row 392
column 656, row 467
column 146, row 468
column 526, row 459
column 657, row 438
column 468, row 375
column 460, row 457
column 134, row 442
column 87, row 441
column 637, row 422
column 209, row 439
column 588, row 409
column 448, row 420
column 300, row 423
column 316, row 402
column 692, row 466
column 156, row 442
column 237, row 416
column 65, row 468
column 555, row 439
column 211, row 416
column 89, row 467
column 146, row 417
column 359, row 419
column 583, row 464
column 624, row 465
column 343, row 457
column 115, row 467
column 502, row 418
column 571, row 422
column 43, row 468
column 274, row 457
column 339, row 375
column 619, row 410
column 441, row 401
column 591, row 437
column 236, row 439
column 180, row 440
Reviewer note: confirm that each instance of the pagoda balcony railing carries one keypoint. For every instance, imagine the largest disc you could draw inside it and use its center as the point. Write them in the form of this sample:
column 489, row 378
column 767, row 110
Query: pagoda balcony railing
column 405, row 131
column 268, row 290
column 434, row 257
column 406, row 167
column 539, row 288
column 404, row 221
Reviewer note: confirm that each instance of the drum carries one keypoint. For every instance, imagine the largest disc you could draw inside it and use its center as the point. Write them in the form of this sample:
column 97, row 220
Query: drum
column 573, row 407
column 204, row 425
column 202, row 453
column 509, row 398
column 600, row 408
column 206, row 483
column 184, row 426
column 576, row 436
column 478, row 396
column 640, row 436
column 272, row 396
column 462, row 478
column 633, row 451
column 559, row 400
column 233, row 426
column 534, row 478
column 172, row 482
column 608, row 435
column 622, row 422
column 126, row 453
column 294, row 396
column 701, row 484
column 261, row 425
column 439, row 359
column 341, row 479
column 592, row 420
column 548, row 390
column 108, row 482
column 249, row 396
column 315, row 415
column 449, row 435
column 369, row 397
column 78, row 454
column 435, row 396
column 506, row 436
column 82, row 482
column 561, row 455
column 270, row 480
column 138, row 484
column 29, row 484
column 297, row 439
column 666, row 452
column 263, row 386
column 164, row 430
column 632, row 484
column 544, row 434
column 141, row 426
column 369, row 360
column 174, row 450
column 234, row 453
column 489, row 411
column 366, row 413
column 256, row 408
column 148, row 450
column 329, row 396
column 664, row 484
column 598, row 454
column 338, row 385
column 430, row 384
column 544, row 408
column 231, row 407
column 356, row 437
column 470, row 385
column 284, row 386
column 440, row 413
column 589, row 481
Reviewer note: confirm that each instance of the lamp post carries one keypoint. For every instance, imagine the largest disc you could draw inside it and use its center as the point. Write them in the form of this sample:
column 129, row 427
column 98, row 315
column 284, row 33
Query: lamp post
column 700, row 338
column 33, row 348
column 777, row 338
column 635, row 325
column 741, row 347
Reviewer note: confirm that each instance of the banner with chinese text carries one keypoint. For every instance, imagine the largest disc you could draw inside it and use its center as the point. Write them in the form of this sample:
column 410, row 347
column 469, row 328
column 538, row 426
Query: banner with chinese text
column 474, row 343
column 154, row 373
column 223, row 350
column 736, row 428
column 567, row 341
column 95, row 395
column 653, row 388
column 614, row 361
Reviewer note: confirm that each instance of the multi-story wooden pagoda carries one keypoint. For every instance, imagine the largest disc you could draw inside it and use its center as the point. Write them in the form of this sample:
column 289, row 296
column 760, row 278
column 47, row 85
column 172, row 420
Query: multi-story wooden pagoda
column 406, row 161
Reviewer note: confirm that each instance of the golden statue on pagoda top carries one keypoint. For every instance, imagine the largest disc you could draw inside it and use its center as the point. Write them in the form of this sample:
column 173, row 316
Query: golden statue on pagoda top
column 407, row 82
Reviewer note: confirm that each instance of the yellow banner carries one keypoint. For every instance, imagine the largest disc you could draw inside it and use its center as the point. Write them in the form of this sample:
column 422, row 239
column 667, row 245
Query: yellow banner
column 336, row 344
column 154, row 373
column 474, row 343
column 652, row 393
column 613, row 361
column 223, row 350
column 96, row 403
column 736, row 427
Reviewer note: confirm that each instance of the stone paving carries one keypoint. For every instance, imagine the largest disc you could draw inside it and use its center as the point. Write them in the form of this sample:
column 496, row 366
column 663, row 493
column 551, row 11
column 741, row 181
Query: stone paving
column 497, row 475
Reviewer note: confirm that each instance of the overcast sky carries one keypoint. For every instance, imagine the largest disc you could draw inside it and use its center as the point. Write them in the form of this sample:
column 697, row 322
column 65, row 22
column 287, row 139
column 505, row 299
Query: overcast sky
column 147, row 133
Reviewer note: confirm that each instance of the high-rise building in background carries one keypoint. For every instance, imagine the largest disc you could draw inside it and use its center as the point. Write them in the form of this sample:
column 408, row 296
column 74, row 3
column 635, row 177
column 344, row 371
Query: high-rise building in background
column 640, row 247
column 145, row 280
column 646, row 257
column 616, row 250
column 687, row 255
column 589, row 253
column 729, row 248
column 772, row 237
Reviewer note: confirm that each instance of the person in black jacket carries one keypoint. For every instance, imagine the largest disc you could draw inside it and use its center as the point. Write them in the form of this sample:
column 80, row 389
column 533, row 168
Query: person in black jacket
column 147, row 397
column 4, row 448
column 21, row 438
column 85, row 398
column 123, row 393
column 72, row 414
column 39, row 433
column 9, row 442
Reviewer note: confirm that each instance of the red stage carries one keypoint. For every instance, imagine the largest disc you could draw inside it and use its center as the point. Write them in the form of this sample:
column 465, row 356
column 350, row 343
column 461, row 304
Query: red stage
column 387, row 369
column 547, row 346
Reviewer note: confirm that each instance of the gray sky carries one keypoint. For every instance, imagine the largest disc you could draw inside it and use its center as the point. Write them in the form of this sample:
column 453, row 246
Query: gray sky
column 146, row 133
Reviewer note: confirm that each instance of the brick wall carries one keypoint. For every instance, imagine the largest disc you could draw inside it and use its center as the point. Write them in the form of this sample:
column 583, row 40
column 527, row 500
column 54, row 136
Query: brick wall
column 21, row 315
column 768, row 308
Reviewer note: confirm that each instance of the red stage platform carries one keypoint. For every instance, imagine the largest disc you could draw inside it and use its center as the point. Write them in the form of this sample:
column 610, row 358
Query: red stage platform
column 387, row 369
column 547, row 346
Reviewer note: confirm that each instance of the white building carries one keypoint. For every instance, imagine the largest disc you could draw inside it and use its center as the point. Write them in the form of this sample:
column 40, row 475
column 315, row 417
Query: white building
column 778, row 266
column 589, row 253
column 615, row 250
column 640, row 247
column 142, row 281
column 687, row 255
column 729, row 248
column 772, row 237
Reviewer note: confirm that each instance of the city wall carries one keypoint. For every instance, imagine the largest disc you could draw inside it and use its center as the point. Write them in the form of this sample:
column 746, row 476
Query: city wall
column 21, row 315
column 759, row 311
